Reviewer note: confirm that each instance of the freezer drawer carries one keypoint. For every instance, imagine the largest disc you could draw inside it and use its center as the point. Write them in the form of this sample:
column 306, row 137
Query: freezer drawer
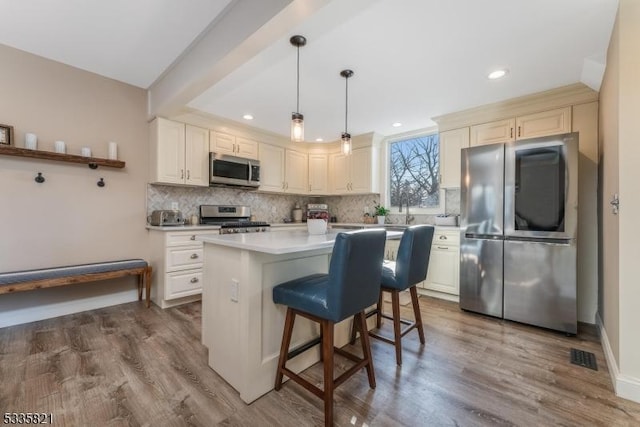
column 481, row 275
column 540, row 284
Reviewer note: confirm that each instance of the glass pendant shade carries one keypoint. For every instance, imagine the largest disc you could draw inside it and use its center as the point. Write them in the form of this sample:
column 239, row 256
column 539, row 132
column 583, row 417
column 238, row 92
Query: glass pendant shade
column 346, row 143
column 297, row 127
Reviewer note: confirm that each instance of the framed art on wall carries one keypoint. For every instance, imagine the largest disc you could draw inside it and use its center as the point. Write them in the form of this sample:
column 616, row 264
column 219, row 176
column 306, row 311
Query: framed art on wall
column 6, row 135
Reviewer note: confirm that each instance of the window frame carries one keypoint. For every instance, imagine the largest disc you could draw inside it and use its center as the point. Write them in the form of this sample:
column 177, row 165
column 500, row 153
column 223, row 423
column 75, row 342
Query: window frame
column 386, row 180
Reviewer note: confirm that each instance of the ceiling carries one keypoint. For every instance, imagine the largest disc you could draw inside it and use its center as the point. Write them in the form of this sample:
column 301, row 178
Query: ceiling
column 413, row 59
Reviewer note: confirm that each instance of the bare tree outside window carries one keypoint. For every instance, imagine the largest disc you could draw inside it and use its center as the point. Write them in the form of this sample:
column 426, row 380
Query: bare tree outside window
column 414, row 172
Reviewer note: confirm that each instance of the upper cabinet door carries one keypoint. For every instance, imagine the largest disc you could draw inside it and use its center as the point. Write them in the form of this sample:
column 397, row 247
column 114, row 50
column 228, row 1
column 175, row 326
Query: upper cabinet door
column 296, row 172
column 493, row 132
column 318, row 168
column 169, row 150
column 197, row 156
column 552, row 122
column 271, row 168
column 222, row 143
column 360, row 173
column 246, row 148
column 339, row 173
column 451, row 142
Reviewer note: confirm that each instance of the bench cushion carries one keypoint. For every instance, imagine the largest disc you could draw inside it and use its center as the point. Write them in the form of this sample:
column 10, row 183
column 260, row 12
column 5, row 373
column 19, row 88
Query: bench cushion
column 11, row 278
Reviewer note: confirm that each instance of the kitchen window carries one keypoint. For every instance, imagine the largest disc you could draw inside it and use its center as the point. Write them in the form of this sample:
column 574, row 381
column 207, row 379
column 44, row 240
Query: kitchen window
column 413, row 175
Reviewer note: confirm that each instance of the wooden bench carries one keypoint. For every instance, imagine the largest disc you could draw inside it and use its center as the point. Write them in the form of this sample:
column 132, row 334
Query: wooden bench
column 27, row 280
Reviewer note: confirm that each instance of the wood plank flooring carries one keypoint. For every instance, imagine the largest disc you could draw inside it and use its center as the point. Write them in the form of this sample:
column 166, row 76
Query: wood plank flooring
column 131, row 366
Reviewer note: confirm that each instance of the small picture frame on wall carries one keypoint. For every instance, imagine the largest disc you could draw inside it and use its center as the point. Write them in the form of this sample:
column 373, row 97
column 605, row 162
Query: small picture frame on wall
column 6, row 135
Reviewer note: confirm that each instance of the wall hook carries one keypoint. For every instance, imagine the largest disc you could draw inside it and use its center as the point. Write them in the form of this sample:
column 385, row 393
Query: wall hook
column 39, row 179
column 101, row 183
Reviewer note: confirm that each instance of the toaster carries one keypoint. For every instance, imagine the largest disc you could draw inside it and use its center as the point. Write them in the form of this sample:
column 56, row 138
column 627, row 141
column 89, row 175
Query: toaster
column 166, row 217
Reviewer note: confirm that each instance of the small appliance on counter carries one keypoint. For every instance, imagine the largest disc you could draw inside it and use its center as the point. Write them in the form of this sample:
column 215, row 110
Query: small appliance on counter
column 231, row 219
column 166, row 218
column 296, row 213
column 447, row 219
column 317, row 218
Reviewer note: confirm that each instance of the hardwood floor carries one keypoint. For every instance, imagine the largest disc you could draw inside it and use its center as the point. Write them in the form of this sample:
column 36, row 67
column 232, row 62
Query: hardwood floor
column 128, row 365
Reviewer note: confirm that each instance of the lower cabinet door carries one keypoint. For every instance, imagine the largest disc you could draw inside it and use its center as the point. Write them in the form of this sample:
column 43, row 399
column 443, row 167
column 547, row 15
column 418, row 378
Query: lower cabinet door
column 443, row 272
column 183, row 283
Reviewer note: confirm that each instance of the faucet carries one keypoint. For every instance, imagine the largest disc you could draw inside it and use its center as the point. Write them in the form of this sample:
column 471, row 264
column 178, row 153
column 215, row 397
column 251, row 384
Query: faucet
column 407, row 218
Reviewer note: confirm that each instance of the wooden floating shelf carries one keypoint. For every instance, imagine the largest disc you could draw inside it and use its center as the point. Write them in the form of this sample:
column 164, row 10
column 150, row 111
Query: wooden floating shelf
column 93, row 162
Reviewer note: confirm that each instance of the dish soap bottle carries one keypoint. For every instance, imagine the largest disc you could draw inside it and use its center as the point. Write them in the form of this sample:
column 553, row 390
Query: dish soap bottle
column 296, row 213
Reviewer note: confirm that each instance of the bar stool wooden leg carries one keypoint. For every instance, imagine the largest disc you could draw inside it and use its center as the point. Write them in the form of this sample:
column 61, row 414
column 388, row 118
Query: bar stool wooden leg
column 395, row 305
column 366, row 348
column 284, row 348
column 379, row 311
column 327, row 358
column 416, row 312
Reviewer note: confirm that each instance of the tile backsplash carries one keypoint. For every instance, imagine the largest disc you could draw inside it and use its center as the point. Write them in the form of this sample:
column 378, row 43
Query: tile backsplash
column 275, row 208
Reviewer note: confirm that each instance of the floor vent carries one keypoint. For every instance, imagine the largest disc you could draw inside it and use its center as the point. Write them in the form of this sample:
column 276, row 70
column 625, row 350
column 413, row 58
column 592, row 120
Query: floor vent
column 584, row 358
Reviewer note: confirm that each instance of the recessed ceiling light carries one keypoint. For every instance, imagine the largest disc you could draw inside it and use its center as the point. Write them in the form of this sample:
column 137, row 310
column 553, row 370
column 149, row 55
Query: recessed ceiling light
column 319, row 139
column 497, row 74
column 396, row 124
column 247, row 117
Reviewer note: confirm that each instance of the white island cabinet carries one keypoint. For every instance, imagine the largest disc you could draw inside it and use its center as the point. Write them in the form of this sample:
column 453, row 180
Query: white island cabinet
column 241, row 326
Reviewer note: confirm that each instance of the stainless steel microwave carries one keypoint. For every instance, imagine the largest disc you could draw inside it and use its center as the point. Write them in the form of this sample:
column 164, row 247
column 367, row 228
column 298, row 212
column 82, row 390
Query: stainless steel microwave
column 235, row 171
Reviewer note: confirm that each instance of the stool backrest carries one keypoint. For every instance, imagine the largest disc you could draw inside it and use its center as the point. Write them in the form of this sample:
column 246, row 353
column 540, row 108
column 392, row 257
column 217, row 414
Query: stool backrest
column 413, row 255
column 355, row 272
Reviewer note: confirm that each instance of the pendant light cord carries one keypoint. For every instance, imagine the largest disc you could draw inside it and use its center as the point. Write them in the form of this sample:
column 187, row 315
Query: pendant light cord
column 346, row 102
column 298, row 82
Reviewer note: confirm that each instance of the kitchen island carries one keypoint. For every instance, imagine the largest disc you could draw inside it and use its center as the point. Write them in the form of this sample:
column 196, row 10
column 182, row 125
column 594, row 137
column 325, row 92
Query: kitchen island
column 241, row 326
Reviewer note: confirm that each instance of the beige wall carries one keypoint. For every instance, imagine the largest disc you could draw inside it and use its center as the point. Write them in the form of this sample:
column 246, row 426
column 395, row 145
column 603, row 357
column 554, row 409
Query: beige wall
column 68, row 219
column 621, row 154
column 608, row 306
column 629, row 178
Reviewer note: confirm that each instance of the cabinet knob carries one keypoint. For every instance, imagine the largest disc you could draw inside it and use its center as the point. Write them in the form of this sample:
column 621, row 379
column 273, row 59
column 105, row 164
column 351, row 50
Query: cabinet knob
column 192, row 237
column 194, row 280
column 194, row 256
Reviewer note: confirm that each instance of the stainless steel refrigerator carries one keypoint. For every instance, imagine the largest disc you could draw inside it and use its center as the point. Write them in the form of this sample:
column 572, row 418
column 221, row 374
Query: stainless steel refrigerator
column 519, row 217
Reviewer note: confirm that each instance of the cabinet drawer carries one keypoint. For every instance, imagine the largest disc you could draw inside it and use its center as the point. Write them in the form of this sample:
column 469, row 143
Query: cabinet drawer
column 446, row 237
column 187, row 238
column 184, row 258
column 183, row 283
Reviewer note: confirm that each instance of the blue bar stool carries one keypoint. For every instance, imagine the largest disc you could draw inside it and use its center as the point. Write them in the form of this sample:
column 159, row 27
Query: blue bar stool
column 352, row 285
column 409, row 269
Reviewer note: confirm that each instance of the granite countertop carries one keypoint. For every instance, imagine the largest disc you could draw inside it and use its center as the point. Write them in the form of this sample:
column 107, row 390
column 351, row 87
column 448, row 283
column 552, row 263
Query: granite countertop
column 283, row 242
column 182, row 227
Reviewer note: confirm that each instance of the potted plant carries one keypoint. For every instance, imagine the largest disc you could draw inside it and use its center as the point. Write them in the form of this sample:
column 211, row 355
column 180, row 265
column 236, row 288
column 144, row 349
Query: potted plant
column 381, row 213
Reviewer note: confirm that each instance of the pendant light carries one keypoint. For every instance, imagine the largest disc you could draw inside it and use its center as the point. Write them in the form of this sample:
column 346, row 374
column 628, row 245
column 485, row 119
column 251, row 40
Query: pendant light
column 346, row 137
column 297, row 119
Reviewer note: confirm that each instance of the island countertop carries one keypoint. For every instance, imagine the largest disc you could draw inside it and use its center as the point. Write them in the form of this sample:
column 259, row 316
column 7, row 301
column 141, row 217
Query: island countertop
column 282, row 242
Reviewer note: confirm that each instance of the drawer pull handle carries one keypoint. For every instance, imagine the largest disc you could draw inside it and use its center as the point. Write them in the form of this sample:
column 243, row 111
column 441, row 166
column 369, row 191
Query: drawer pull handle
column 192, row 237
column 443, row 237
column 442, row 247
column 194, row 256
column 194, row 280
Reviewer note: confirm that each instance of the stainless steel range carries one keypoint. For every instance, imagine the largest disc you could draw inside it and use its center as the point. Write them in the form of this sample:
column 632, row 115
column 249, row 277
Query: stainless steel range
column 231, row 219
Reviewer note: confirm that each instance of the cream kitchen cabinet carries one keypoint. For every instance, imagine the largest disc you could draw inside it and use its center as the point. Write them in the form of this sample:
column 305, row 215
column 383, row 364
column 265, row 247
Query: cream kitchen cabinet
column 177, row 261
column 451, row 142
column 551, row 122
column 179, row 153
column 352, row 174
column 444, row 262
column 318, row 170
column 282, row 170
column 224, row 143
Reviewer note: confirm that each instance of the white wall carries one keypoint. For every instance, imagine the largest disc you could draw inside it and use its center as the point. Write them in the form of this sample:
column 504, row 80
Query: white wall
column 68, row 219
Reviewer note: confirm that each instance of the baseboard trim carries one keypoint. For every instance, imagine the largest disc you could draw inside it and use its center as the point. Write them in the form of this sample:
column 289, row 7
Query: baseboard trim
column 624, row 386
